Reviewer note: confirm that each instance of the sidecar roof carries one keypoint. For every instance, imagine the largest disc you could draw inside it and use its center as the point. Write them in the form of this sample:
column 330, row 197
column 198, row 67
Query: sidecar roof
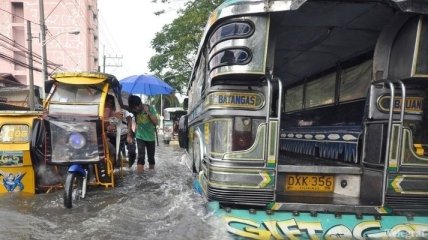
column 85, row 78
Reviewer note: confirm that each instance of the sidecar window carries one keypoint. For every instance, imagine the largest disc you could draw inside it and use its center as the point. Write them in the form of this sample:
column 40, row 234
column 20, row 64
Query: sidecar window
column 67, row 93
column 80, row 99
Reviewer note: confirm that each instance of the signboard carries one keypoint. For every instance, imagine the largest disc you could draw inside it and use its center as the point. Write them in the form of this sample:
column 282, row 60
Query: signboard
column 243, row 100
column 414, row 105
column 11, row 158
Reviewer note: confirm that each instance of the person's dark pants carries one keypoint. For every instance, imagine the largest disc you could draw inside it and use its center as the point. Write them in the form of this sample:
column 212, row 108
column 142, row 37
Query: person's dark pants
column 142, row 146
column 112, row 150
column 132, row 154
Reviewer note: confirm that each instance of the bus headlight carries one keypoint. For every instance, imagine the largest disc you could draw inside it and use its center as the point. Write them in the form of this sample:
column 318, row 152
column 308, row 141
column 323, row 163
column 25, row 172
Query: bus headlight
column 77, row 140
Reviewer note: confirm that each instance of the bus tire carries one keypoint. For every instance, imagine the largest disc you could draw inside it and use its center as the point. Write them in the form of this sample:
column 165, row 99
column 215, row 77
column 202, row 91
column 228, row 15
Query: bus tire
column 183, row 140
column 197, row 152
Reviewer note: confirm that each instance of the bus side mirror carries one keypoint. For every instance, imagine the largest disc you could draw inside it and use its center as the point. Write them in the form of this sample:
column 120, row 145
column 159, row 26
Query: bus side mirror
column 186, row 103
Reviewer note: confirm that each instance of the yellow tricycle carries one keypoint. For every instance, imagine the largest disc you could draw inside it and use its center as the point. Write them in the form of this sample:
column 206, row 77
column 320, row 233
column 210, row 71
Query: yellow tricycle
column 17, row 170
column 72, row 132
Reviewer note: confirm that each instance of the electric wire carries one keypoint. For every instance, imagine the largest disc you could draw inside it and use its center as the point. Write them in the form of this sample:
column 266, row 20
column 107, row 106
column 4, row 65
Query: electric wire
column 23, row 51
column 14, row 45
column 84, row 18
column 53, row 9
column 1, row 9
column 50, row 64
column 65, row 51
column 18, row 62
column 104, row 28
column 109, row 42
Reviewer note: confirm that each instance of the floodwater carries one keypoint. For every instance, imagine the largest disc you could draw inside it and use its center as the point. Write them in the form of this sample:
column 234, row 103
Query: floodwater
column 159, row 204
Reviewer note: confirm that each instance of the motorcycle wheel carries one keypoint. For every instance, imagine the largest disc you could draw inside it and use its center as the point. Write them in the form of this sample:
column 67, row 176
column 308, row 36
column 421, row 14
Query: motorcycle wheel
column 72, row 189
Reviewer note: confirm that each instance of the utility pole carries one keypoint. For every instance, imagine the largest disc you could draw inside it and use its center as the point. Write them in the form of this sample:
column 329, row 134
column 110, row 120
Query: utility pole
column 116, row 62
column 43, row 41
column 104, row 58
column 30, row 64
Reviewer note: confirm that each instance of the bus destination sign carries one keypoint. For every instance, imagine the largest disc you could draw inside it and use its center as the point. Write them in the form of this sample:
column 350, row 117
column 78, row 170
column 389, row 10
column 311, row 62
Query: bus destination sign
column 234, row 100
column 413, row 104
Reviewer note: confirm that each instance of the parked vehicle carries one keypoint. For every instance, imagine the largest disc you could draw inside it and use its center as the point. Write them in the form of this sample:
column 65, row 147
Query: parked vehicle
column 17, row 170
column 308, row 119
column 72, row 132
column 170, row 122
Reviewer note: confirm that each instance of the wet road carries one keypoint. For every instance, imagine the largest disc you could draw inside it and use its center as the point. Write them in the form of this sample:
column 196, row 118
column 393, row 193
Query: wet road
column 159, row 204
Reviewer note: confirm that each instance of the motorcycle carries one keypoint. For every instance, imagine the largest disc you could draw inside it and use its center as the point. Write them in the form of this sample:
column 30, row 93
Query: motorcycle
column 72, row 132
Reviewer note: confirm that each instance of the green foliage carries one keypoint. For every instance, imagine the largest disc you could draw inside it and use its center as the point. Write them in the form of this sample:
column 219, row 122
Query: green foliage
column 167, row 101
column 177, row 44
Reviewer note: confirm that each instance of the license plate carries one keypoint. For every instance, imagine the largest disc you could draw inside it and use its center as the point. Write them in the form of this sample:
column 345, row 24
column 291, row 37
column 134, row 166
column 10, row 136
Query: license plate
column 10, row 158
column 309, row 183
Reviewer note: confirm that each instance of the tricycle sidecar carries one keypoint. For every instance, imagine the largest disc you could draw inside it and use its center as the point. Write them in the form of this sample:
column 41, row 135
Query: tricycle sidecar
column 17, row 172
column 74, row 129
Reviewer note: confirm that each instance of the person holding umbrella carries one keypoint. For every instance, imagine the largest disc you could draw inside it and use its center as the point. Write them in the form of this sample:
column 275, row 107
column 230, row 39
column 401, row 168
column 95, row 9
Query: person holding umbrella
column 145, row 132
column 146, row 84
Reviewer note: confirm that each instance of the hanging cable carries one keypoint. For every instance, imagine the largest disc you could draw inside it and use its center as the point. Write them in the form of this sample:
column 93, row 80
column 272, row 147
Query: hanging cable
column 53, row 10
column 1, row 9
column 65, row 51
column 17, row 62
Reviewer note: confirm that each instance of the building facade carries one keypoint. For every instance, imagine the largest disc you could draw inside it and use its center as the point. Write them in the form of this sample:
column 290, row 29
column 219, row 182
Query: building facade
column 71, row 37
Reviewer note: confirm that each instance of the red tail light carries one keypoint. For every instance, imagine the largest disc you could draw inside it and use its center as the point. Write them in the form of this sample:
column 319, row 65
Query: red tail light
column 242, row 137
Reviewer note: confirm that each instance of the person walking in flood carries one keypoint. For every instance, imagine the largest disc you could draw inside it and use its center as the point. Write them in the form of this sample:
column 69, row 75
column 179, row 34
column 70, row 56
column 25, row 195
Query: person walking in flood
column 145, row 132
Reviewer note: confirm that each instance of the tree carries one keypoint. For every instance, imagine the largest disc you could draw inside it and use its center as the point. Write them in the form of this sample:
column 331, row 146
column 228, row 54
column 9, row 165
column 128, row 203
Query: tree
column 177, row 44
column 167, row 101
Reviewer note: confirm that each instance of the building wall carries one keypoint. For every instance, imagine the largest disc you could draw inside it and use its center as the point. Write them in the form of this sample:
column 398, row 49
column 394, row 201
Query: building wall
column 65, row 51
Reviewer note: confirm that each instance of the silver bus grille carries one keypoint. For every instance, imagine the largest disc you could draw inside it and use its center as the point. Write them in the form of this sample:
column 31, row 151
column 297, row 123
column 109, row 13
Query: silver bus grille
column 407, row 204
column 240, row 197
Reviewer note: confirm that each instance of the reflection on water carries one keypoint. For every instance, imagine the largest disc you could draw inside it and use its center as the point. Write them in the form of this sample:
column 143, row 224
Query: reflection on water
column 158, row 204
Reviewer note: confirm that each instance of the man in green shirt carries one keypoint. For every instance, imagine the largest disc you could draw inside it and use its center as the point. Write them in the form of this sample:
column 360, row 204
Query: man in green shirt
column 145, row 132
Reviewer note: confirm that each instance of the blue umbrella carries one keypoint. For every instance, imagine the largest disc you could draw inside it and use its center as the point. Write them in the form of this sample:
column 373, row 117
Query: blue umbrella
column 149, row 85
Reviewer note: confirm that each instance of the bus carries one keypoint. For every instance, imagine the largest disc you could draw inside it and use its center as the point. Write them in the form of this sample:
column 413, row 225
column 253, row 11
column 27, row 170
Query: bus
column 308, row 119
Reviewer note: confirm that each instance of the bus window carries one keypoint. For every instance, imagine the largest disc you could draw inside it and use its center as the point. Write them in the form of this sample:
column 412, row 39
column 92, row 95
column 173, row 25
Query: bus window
column 231, row 30
column 294, row 99
column 355, row 81
column 321, row 91
column 230, row 57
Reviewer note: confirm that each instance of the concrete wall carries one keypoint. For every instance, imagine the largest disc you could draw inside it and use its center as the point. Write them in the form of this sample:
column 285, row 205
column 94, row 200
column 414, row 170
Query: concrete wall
column 65, row 52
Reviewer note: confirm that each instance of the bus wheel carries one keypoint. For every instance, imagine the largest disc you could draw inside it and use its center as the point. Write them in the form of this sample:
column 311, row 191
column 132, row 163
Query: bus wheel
column 182, row 132
column 196, row 156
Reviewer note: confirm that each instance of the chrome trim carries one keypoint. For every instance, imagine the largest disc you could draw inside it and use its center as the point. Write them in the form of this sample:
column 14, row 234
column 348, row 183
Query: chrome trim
column 389, row 131
column 268, row 103
column 278, row 133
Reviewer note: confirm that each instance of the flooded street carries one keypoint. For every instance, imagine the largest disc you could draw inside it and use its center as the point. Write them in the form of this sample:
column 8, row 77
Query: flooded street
column 158, row 204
